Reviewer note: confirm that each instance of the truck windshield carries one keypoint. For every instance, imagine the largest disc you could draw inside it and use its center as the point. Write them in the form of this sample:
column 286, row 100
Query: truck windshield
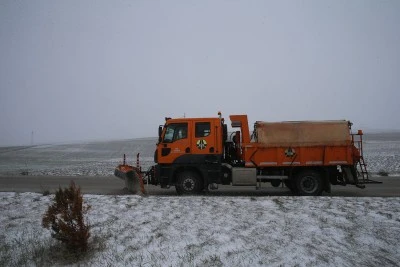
column 175, row 131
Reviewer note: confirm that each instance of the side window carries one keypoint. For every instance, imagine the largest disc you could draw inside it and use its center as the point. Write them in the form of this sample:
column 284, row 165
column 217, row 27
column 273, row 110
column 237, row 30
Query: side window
column 181, row 132
column 175, row 132
column 203, row 129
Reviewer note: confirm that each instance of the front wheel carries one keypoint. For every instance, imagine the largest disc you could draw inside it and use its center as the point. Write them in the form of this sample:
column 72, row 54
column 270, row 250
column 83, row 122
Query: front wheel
column 188, row 183
column 309, row 183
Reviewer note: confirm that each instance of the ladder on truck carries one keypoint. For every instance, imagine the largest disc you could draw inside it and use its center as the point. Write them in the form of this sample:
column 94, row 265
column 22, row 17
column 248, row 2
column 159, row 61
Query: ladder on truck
column 361, row 166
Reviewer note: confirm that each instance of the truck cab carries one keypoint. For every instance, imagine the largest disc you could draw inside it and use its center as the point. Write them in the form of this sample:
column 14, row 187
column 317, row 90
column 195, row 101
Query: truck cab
column 189, row 152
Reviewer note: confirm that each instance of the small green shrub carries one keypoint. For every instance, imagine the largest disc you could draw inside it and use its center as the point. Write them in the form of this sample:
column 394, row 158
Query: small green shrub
column 65, row 217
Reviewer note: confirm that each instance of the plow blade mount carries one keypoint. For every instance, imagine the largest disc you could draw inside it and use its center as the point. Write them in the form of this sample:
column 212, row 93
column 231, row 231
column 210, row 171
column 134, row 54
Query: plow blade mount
column 132, row 178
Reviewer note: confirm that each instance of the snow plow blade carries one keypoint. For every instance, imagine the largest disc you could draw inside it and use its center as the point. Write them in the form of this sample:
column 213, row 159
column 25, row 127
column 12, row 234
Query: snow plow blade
column 132, row 177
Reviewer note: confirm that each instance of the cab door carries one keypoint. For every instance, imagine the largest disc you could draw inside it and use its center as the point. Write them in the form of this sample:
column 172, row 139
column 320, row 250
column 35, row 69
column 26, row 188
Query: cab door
column 206, row 149
column 175, row 143
column 204, row 140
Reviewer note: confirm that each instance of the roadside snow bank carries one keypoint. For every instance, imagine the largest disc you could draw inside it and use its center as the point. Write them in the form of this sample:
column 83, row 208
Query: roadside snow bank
column 211, row 231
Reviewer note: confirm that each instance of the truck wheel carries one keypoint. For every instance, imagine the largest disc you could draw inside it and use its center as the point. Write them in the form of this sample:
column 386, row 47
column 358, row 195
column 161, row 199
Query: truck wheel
column 309, row 183
column 188, row 183
column 276, row 183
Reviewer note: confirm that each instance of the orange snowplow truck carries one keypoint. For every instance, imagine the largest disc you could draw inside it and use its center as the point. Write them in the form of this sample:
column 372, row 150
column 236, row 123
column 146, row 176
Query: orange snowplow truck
column 196, row 154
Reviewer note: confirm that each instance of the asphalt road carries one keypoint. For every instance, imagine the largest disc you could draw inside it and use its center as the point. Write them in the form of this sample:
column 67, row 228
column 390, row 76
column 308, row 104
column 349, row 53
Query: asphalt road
column 390, row 187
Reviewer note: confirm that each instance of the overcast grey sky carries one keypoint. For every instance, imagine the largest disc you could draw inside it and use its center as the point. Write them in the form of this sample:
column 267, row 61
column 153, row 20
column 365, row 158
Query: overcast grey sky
column 93, row 70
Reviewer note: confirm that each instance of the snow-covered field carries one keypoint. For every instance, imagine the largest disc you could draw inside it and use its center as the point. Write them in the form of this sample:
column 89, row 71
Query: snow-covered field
column 209, row 231
column 89, row 159
column 382, row 153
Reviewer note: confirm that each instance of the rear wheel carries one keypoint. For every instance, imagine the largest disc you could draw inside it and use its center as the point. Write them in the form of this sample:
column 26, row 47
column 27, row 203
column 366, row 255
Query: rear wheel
column 309, row 183
column 188, row 182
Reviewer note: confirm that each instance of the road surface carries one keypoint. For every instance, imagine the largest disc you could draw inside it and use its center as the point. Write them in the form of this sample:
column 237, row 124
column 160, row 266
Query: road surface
column 113, row 186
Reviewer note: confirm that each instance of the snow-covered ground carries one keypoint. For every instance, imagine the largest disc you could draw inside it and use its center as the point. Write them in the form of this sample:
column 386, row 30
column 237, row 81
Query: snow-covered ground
column 210, row 231
column 89, row 159
column 382, row 153
column 198, row 230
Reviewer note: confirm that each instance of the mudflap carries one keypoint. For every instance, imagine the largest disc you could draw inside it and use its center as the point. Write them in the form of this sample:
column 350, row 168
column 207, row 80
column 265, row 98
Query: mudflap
column 131, row 177
column 351, row 177
column 327, row 186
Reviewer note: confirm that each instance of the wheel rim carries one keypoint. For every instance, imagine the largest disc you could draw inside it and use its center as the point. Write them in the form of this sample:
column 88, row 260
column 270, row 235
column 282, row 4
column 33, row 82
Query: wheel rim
column 308, row 184
column 188, row 184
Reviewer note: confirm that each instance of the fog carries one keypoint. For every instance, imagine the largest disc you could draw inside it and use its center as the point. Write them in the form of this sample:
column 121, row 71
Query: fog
column 101, row 70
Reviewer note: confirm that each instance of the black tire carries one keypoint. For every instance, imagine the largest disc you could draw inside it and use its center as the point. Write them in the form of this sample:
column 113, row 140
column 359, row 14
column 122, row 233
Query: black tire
column 188, row 183
column 276, row 183
column 309, row 183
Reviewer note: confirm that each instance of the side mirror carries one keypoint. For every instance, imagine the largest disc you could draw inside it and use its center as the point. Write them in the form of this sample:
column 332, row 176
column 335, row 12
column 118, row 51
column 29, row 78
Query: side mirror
column 160, row 128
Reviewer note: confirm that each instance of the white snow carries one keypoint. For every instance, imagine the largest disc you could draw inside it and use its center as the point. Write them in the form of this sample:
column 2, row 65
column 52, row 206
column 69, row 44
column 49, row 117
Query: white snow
column 133, row 230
